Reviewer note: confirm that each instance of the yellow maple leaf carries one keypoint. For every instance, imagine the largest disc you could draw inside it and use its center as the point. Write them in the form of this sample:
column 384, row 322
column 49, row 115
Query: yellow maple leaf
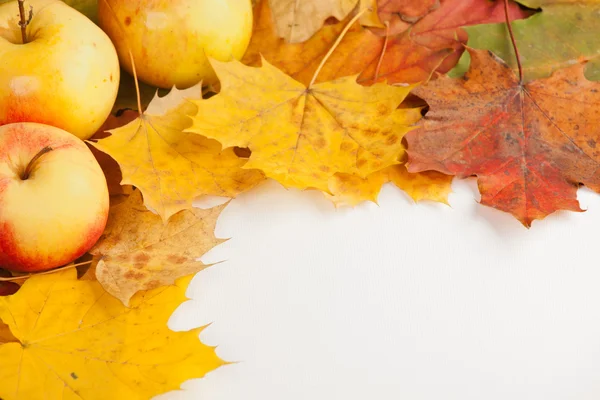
column 426, row 185
column 172, row 167
column 302, row 136
column 138, row 252
column 75, row 341
column 296, row 21
column 347, row 189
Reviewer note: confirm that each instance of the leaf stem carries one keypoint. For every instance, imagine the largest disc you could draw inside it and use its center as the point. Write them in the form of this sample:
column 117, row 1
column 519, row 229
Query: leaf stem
column 383, row 49
column 336, row 44
column 514, row 42
column 137, row 84
column 29, row 167
column 135, row 78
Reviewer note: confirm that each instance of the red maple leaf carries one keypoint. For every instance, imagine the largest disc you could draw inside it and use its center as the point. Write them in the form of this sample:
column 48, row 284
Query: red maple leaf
column 530, row 145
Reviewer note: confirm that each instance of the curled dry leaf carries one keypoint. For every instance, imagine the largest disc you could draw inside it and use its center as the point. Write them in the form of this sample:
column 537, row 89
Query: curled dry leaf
column 435, row 42
column 73, row 340
column 138, row 252
column 172, row 167
column 529, row 146
column 302, row 136
column 351, row 190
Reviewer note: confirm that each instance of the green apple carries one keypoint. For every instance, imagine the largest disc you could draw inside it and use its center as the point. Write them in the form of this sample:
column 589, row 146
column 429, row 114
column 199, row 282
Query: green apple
column 53, row 197
column 171, row 39
column 65, row 75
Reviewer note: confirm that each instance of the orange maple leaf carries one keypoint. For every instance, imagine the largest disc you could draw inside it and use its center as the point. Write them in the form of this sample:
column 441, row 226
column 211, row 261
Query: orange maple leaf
column 410, row 55
column 530, row 145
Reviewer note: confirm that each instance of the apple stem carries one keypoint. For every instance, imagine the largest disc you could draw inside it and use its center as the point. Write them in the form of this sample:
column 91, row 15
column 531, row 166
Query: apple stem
column 31, row 164
column 24, row 20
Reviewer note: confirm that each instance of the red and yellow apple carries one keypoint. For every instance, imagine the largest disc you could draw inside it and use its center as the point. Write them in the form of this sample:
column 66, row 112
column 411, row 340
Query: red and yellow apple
column 65, row 75
column 171, row 39
column 53, row 197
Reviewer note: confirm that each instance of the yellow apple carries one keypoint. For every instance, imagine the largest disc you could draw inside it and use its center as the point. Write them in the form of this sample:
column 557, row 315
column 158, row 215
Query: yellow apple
column 171, row 39
column 66, row 75
column 53, row 197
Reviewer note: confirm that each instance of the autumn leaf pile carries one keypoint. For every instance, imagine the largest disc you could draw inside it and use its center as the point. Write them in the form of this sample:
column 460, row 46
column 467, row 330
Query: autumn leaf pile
column 340, row 96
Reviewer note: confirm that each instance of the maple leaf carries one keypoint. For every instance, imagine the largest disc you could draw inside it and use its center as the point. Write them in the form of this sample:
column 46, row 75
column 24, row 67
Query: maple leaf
column 569, row 29
column 298, row 20
column 76, row 341
column 529, row 145
column 434, row 42
column 351, row 190
column 301, row 136
column 138, row 252
column 172, row 167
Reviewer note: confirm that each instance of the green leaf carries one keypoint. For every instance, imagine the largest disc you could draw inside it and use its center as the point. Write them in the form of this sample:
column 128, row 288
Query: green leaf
column 565, row 32
column 87, row 7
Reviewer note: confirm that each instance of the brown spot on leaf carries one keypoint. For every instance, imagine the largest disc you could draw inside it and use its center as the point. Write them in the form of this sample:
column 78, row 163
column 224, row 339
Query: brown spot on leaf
column 382, row 109
column 134, row 275
column 346, row 146
column 153, row 284
column 320, row 143
column 392, row 140
column 127, row 21
column 176, row 259
column 371, row 131
column 142, row 258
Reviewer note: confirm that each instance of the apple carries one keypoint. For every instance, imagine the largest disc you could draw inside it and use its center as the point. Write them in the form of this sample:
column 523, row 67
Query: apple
column 53, row 197
column 171, row 39
column 65, row 75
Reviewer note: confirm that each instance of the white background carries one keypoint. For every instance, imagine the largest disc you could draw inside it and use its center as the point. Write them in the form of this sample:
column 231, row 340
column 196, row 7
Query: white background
column 398, row 301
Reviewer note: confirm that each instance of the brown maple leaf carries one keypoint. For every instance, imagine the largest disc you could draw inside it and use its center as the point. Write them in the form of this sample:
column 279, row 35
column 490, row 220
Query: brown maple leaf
column 296, row 21
column 410, row 55
column 139, row 252
column 530, row 145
